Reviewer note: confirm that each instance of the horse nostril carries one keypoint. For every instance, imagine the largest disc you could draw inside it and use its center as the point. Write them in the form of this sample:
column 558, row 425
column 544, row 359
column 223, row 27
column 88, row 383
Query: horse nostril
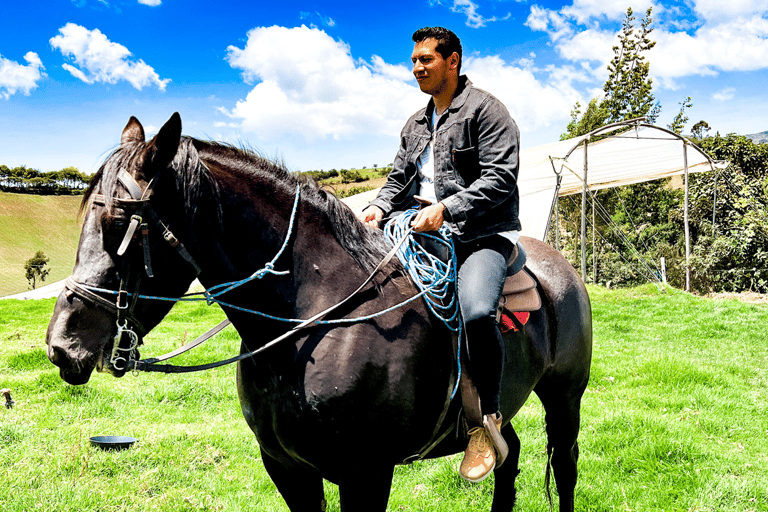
column 57, row 355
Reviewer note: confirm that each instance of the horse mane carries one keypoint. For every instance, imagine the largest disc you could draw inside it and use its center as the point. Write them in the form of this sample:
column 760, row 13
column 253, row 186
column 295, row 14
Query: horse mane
column 196, row 183
column 192, row 177
column 366, row 246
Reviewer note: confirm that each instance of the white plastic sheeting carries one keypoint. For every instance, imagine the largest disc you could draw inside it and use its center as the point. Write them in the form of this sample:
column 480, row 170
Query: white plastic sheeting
column 639, row 153
column 643, row 153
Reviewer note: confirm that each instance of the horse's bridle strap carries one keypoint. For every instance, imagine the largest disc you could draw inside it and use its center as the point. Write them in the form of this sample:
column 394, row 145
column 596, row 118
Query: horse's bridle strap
column 84, row 293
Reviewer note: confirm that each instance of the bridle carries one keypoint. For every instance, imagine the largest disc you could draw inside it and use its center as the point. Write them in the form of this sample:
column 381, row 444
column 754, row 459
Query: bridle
column 128, row 326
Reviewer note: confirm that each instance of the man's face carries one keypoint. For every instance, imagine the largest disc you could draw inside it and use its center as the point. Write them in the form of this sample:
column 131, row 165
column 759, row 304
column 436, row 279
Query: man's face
column 430, row 68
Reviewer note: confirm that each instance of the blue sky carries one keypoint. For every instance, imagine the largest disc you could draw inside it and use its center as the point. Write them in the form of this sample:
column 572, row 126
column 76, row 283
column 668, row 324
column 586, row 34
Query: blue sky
column 327, row 84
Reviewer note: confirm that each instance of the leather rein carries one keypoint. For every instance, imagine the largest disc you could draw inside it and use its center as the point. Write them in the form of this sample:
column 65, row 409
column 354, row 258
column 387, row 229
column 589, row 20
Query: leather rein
column 123, row 358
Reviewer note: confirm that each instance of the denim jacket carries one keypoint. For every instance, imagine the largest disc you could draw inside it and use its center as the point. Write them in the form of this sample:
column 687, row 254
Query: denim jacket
column 476, row 164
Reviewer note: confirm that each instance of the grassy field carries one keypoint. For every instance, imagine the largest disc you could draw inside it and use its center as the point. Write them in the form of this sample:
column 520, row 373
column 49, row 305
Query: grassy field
column 30, row 223
column 675, row 418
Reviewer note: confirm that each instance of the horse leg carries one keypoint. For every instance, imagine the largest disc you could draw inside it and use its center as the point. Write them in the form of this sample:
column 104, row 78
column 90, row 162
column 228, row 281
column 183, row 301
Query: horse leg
column 301, row 489
column 504, row 492
column 367, row 491
column 562, row 417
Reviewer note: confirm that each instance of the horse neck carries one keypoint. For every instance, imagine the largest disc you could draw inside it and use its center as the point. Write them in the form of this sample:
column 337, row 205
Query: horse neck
column 256, row 219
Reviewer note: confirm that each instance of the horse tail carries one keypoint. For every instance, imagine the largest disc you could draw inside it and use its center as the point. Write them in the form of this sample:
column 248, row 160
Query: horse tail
column 547, row 477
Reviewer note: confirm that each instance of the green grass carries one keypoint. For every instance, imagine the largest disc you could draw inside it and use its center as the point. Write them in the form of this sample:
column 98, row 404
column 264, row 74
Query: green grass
column 675, row 418
column 30, row 223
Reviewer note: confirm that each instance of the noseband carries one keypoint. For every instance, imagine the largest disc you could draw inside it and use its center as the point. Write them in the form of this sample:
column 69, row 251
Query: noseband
column 128, row 326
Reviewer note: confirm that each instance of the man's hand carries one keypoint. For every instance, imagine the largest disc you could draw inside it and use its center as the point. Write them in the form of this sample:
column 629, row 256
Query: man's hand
column 429, row 218
column 371, row 216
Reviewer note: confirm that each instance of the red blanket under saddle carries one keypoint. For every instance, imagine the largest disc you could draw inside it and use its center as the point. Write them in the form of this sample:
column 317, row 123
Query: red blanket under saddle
column 508, row 324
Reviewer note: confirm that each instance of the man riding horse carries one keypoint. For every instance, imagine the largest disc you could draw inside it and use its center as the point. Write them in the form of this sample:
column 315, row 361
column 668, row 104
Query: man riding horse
column 460, row 153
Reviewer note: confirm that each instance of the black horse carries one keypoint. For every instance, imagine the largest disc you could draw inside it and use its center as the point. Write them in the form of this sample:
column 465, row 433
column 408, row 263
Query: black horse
column 342, row 402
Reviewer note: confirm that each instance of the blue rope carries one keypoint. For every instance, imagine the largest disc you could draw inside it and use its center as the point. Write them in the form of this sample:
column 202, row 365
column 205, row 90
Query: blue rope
column 432, row 277
column 430, row 274
column 269, row 268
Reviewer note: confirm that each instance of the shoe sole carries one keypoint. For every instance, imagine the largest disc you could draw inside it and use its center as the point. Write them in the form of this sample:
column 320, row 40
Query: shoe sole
column 476, row 480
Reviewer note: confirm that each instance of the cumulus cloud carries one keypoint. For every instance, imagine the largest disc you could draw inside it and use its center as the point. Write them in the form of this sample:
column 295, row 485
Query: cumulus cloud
column 97, row 59
column 703, row 47
column 151, row 3
column 533, row 103
column 582, row 11
column 16, row 77
column 717, row 10
column 736, row 45
column 309, row 84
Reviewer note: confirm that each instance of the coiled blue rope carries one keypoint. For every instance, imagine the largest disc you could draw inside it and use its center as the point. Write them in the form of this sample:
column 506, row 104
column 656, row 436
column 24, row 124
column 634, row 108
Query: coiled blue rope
column 431, row 275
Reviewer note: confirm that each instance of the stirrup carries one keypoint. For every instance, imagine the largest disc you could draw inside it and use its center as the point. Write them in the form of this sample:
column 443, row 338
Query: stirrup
column 502, row 450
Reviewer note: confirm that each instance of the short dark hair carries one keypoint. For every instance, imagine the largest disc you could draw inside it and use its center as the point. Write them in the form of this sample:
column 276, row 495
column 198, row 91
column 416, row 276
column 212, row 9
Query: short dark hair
column 447, row 41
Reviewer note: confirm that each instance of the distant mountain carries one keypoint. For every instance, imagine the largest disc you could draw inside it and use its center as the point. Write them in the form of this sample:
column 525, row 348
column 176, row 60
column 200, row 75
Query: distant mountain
column 759, row 138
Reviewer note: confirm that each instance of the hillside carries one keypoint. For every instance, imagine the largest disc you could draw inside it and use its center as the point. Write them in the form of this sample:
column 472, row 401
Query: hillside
column 29, row 223
column 759, row 138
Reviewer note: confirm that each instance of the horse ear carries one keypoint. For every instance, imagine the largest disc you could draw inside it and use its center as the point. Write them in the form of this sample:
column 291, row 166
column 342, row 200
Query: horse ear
column 133, row 132
column 167, row 140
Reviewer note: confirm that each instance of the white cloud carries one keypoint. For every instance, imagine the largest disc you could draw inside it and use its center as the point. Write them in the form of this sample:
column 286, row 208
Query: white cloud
column 325, row 20
column 97, row 59
column 724, row 95
column 18, row 77
column 582, row 11
column 717, row 10
column 474, row 19
column 533, row 103
column 310, row 85
column 151, row 3
column 737, row 45
column 721, row 45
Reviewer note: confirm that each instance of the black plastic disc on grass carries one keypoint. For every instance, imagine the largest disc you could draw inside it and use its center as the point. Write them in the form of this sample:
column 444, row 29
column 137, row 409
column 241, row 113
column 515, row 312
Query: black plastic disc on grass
column 113, row 442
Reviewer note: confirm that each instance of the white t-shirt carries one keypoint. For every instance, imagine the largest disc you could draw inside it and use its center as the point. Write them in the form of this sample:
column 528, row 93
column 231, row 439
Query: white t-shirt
column 426, row 165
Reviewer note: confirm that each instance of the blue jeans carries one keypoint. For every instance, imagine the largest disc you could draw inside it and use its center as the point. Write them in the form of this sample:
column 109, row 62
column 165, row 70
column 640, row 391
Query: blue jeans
column 482, row 268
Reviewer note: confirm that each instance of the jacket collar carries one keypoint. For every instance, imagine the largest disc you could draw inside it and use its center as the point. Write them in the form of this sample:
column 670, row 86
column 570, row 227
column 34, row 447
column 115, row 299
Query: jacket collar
column 462, row 93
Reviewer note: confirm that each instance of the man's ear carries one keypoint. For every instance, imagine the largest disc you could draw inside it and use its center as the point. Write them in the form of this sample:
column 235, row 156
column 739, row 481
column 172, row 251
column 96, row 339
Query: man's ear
column 453, row 60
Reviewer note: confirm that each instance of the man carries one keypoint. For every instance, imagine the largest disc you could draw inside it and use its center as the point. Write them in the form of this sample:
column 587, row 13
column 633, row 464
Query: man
column 461, row 153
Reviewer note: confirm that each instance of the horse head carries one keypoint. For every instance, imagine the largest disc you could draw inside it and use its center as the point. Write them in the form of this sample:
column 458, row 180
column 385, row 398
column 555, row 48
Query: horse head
column 129, row 209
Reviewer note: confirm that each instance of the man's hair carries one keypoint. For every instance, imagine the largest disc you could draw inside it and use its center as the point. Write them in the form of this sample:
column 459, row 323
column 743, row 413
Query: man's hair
column 447, row 41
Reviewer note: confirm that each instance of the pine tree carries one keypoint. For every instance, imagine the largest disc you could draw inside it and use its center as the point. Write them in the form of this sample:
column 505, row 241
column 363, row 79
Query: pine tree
column 628, row 88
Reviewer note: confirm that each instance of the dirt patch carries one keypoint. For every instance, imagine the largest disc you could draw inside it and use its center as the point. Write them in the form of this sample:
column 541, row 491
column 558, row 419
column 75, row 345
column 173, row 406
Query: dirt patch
column 750, row 297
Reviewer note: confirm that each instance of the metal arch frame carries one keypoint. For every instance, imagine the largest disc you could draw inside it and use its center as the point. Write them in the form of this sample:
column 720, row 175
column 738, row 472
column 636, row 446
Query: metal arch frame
column 637, row 123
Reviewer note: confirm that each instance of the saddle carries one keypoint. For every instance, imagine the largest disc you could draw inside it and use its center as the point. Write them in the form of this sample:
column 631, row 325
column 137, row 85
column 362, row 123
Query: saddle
column 519, row 296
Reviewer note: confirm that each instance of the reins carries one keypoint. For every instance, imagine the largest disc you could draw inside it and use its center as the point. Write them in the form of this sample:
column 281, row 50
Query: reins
column 123, row 358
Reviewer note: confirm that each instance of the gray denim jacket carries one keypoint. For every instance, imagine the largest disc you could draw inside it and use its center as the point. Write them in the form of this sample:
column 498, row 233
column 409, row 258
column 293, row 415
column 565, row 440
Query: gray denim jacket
column 476, row 164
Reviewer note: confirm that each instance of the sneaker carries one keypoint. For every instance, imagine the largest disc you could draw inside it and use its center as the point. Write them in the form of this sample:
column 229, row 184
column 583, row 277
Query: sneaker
column 479, row 457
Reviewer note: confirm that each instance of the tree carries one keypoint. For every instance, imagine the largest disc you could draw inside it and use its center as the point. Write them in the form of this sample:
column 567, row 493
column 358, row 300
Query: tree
column 35, row 267
column 678, row 123
column 594, row 117
column 699, row 129
column 628, row 88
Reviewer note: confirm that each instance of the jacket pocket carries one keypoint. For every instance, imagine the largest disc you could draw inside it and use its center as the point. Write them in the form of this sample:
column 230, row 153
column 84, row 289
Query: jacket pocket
column 466, row 165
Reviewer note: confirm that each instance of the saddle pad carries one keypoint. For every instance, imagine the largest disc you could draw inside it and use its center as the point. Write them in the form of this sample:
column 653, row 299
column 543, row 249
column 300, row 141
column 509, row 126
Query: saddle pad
column 520, row 294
